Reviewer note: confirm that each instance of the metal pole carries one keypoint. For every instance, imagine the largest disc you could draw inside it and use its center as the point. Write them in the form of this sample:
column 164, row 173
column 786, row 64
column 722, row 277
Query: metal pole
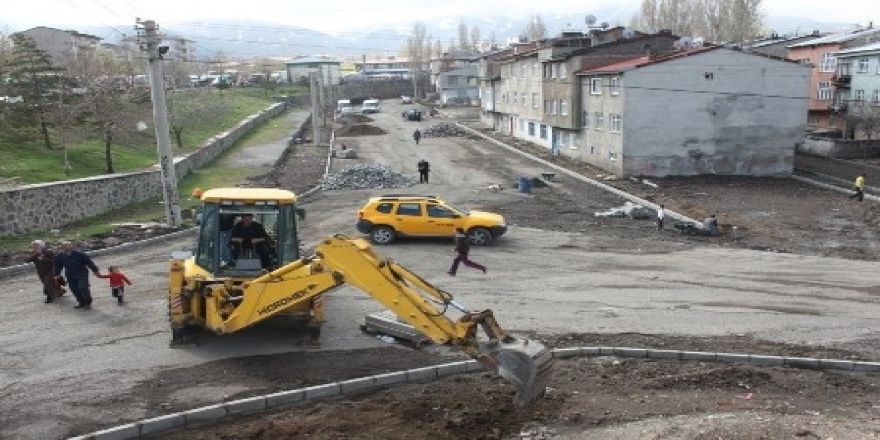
column 313, row 88
column 160, row 120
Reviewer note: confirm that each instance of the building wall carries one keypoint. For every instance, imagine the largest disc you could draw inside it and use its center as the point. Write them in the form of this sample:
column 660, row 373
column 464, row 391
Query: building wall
column 61, row 45
column 329, row 72
column 744, row 119
column 594, row 143
column 51, row 205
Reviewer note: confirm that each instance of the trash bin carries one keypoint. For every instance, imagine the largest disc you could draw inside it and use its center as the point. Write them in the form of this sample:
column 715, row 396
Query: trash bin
column 525, row 184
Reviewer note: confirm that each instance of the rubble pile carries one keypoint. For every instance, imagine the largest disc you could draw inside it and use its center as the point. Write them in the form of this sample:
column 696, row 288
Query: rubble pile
column 629, row 209
column 363, row 176
column 443, row 129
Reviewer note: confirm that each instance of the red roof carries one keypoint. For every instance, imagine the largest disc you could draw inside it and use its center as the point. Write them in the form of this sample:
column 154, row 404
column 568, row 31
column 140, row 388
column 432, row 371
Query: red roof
column 644, row 60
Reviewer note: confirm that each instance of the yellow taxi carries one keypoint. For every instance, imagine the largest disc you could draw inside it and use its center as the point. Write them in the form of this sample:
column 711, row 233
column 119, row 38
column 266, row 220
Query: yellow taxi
column 387, row 217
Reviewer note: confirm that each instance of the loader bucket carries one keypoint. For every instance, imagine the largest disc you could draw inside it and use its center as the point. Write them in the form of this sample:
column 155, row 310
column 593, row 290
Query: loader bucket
column 524, row 363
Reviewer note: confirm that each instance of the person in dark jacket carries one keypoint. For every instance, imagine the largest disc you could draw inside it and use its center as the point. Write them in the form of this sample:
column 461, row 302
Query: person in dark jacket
column 463, row 247
column 44, row 261
column 417, row 135
column 424, row 168
column 248, row 234
column 76, row 266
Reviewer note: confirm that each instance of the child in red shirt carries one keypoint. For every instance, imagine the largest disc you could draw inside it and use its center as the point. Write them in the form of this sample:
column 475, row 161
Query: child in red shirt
column 118, row 281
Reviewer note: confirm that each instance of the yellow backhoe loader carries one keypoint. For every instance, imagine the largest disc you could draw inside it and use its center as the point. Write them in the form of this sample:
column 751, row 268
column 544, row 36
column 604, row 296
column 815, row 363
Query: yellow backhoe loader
column 225, row 287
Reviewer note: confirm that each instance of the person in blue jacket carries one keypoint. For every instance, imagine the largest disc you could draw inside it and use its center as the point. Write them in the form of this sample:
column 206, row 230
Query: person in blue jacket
column 76, row 266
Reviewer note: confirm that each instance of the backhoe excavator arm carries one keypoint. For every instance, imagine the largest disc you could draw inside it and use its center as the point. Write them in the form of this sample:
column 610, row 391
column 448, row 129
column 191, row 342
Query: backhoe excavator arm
column 341, row 260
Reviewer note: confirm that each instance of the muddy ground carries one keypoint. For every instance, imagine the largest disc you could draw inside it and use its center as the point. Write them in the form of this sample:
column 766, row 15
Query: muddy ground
column 772, row 214
column 593, row 398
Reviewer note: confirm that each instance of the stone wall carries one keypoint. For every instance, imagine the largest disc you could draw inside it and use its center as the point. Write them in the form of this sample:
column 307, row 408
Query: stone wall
column 51, row 205
column 377, row 88
column 839, row 148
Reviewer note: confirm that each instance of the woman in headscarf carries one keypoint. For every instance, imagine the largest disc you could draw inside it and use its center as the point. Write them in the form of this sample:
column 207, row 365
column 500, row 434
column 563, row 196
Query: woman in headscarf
column 44, row 261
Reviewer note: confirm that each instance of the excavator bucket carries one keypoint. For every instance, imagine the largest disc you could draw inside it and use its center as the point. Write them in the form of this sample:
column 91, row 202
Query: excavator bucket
column 523, row 362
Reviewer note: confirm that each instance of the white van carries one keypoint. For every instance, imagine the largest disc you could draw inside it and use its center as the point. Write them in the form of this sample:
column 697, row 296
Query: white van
column 370, row 106
column 344, row 107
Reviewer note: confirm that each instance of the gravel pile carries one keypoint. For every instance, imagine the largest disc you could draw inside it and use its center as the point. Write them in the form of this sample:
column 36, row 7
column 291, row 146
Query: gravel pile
column 443, row 129
column 363, row 176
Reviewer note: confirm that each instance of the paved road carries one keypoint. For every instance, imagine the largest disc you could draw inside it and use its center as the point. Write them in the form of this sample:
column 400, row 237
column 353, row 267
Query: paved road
column 56, row 361
column 841, row 173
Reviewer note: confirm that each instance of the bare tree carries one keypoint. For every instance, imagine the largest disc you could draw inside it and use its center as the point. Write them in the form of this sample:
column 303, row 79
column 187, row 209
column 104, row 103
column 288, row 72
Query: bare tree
column 415, row 50
column 188, row 109
column 475, row 37
column 438, row 48
column 535, row 30
column 462, row 35
column 714, row 20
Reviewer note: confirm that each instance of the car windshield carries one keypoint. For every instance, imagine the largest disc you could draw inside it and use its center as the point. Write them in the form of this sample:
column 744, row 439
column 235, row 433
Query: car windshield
column 459, row 209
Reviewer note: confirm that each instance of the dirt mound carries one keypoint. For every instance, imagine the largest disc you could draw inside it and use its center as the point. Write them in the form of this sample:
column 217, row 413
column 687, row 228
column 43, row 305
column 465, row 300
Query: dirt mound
column 361, row 130
column 354, row 119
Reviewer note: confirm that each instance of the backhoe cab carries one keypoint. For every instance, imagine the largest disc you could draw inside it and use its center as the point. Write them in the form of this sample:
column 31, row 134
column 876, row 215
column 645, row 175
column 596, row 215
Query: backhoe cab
column 216, row 291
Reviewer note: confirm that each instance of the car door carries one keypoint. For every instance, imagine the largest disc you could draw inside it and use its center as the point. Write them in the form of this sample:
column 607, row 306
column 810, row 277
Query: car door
column 441, row 220
column 409, row 218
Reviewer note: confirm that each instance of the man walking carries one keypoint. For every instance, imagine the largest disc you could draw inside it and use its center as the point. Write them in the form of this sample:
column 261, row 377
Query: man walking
column 424, row 168
column 661, row 215
column 417, row 135
column 462, row 247
column 860, row 188
column 76, row 265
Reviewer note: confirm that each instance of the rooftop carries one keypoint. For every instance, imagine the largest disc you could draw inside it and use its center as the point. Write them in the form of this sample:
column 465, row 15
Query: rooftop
column 644, row 60
column 314, row 59
column 836, row 38
column 861, row 49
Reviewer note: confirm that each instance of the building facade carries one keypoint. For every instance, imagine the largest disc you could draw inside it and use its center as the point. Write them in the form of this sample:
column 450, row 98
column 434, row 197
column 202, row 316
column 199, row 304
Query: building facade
column 821, row 53
column 706, row 110
column 63, row 46
column 459, row 86
column 858, row 84
column 327, row 68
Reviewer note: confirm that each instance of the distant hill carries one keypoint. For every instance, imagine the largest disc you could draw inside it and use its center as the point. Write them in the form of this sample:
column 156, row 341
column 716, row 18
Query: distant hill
column 266, row 39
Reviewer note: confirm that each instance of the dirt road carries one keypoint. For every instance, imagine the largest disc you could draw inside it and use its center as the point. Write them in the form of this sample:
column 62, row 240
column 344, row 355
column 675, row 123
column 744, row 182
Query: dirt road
column 558, row 271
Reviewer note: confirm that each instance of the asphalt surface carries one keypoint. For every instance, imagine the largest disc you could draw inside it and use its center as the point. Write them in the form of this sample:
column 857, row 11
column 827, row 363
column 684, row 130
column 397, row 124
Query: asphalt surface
column 55, row 361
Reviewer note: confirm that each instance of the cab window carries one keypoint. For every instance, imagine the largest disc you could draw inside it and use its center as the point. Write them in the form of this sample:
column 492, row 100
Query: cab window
column 384, row 208
column 414, row 209
column 437, row 211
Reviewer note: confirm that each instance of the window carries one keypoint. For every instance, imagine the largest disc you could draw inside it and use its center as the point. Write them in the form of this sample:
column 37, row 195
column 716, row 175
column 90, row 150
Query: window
column 863, row 65
column 585, row 119
column 543, row 132
column 860, row 95
column 878, row 66
column 413, row 209
column 562, row 139
column 875, row 97
column 612, row 156
column 592, row 149
column 438, row 211
column 600, row 121
column 384, row 208
column 615, row 85
column 515, row 99
column 829, row 62
column 563, row 107
column 534, row 100
column 522, row 125
column 522, row 99
column 546, row 106
column 555, row 71
column 206, row 251
column 595, row 86
column 616, row 123
column 563, row 70
column 532, row 129
column 523, row 70
column 535, row 69
column 547, row 71
column 552, row 106
column 823, row 93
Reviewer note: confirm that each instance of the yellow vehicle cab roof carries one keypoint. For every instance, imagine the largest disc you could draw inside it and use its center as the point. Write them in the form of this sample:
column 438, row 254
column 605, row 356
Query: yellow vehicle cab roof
column 248, row 195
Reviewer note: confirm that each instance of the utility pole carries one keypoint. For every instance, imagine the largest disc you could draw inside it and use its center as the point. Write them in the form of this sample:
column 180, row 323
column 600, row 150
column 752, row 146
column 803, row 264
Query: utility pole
column 150, row 43
column 313, row 89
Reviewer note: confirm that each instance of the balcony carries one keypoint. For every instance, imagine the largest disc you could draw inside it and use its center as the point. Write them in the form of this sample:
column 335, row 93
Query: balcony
column 842, row 75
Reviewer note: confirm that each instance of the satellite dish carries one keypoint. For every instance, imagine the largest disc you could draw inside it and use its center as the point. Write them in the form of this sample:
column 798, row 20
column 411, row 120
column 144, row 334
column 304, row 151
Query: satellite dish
column 605, row 25
column 590, row 19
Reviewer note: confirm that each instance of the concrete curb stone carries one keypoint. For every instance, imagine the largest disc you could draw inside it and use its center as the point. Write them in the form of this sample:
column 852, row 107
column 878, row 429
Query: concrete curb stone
column 421, row 374
column 767, row 361
column 674, row 355
column 801, row 362
column 244, row 406
column 732, row 358
column 204, row 414
column 635, row 353
column 451, row 368
column 474, row 365
column 282, row 398
column 389, row 378
column 867, row 367
column 836, row 364
column 355, row 385
column 700, row 356
column 606, row 351
column 562, row 353
column 326, row 390
column 162, row 423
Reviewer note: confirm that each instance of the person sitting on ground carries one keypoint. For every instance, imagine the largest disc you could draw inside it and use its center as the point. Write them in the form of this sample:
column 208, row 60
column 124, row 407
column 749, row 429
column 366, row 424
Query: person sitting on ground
column 248, row 234
column 710, row 225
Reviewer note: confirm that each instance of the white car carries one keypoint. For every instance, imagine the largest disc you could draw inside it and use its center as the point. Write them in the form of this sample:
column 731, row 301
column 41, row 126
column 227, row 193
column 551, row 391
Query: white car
column 405, row 100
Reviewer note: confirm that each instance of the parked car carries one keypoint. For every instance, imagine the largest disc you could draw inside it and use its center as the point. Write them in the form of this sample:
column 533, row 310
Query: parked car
column 405, row 100
column 370, row 106
column 387, row 217
column 412, row 115
column 343, row 106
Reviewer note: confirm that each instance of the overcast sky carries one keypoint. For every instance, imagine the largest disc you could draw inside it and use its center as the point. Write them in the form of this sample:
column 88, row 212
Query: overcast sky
column 351, row 15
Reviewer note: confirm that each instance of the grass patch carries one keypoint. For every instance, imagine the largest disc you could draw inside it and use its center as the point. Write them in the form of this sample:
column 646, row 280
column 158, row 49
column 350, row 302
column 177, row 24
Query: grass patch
column 25, row 157
column 211, row 176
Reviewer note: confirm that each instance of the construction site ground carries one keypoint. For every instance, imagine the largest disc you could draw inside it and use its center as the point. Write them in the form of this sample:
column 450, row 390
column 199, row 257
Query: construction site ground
column 560, row 274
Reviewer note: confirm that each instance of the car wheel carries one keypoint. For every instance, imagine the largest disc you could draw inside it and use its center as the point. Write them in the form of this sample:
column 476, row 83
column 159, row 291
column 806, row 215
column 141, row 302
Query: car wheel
column 480, row 236
column 382, row 235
